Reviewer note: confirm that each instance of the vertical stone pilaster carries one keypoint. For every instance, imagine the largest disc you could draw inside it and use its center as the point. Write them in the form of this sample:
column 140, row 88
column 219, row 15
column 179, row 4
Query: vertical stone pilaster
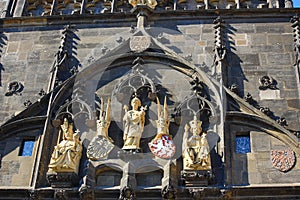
column 18, row 11
column 296, row 33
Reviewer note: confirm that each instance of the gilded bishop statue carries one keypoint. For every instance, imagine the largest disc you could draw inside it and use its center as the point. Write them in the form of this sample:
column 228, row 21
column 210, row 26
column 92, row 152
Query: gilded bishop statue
column 134, row 121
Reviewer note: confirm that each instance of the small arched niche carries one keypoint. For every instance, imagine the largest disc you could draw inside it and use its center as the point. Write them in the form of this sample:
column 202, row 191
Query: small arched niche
column 107, row 177
column 149, row 179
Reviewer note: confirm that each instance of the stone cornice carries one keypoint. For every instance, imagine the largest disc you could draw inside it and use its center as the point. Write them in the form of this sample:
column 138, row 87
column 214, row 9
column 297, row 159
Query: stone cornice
column 112, row 18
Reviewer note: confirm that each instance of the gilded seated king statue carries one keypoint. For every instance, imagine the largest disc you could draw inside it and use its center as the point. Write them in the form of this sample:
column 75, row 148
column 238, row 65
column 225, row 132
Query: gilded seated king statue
column 195, row 149
column 67, row 153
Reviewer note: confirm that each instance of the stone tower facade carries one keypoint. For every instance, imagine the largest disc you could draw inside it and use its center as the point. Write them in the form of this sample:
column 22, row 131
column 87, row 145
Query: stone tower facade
column 149, row 99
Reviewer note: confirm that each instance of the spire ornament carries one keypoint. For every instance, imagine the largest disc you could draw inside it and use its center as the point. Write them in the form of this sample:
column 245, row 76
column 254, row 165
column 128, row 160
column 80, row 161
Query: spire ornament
column 102, row 144
column 162, row 145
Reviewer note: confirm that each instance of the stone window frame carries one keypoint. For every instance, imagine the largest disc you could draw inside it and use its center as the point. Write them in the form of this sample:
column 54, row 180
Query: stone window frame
column 239, row 135
column 24, row 140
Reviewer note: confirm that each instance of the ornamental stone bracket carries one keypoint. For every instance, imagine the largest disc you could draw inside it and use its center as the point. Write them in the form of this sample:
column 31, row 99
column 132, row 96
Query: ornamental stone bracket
column 62, row 179
column 197, row 178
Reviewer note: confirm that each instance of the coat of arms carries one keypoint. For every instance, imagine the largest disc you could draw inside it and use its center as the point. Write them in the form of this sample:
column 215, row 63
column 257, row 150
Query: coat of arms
column 283, row 160
column 139, row 43
column 163, row 147
column 99, row 148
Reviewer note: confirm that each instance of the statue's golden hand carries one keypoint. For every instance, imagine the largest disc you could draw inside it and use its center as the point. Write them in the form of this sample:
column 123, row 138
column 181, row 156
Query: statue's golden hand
column 186, row 128
column 61, row 150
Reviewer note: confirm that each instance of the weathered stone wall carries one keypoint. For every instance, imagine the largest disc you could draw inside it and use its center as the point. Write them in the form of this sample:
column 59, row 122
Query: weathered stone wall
column 17, row 170
column 258, row 48
column 3, row 4
column 262, row 48
column 28, row 57
column 256, row 167
column 267, row 49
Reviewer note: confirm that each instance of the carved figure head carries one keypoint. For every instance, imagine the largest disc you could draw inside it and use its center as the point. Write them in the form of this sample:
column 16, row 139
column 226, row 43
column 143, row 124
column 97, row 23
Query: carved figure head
column 195, row 125
column 135, row 103
column 67, row 129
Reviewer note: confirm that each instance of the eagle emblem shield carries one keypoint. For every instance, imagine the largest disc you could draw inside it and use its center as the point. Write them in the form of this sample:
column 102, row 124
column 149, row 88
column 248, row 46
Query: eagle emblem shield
column 99, row 148
column 283, row 160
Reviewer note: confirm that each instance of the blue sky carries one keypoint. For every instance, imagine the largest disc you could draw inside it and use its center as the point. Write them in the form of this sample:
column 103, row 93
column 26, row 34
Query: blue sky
column 296, row 3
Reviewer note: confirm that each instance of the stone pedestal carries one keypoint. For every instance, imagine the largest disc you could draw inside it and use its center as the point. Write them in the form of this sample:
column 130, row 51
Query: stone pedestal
column 269, row 94
column 197, row 178
column 62, row 179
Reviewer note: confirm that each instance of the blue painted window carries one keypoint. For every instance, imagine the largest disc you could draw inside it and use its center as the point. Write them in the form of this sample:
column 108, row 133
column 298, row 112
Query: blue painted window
column 27, row 147
column 242, row 144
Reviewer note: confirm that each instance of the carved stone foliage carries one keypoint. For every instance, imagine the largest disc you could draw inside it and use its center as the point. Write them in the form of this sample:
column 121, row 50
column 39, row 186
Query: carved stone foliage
column 225, row 194
column 283, row 160
column 234, row 88
column 280, row 120
column 127, row 193
column 249, row 99
column 42, row 92
column 14, row 87
column 267, row 82
column 296, row 26
column 27, row 103
column 220, row 43
column 66, row 64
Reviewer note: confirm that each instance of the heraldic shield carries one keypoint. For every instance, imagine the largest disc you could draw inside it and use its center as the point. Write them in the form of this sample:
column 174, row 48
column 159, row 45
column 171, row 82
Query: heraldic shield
column 163, row 147
column 99, row 148
column 283, row 160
